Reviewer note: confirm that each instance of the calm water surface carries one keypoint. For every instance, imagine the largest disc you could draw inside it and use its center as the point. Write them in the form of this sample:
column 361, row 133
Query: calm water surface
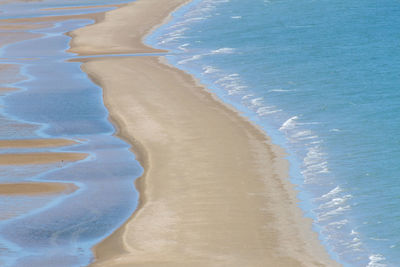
column 57, row 100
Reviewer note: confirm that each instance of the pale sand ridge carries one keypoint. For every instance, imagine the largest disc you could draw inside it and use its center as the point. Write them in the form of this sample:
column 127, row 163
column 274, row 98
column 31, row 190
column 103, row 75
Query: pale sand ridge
column 215, row 191
column 40, row 158
column 122, row 30
column 35, row 143
column 36, row 188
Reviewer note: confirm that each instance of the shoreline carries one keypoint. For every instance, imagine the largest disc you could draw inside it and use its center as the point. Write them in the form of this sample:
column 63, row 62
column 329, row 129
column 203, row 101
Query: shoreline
column 125, row 253
column 49, row 175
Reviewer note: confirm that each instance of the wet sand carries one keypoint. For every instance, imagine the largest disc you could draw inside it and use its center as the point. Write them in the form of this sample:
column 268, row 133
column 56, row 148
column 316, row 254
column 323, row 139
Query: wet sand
column 13, row 31
column 215, row 191
column 31, row 189
column 35, row 143
column 79, row 219
column 40, row 158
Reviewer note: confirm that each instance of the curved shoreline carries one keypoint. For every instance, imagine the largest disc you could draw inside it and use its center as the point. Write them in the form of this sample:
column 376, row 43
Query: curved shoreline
column 274, row 230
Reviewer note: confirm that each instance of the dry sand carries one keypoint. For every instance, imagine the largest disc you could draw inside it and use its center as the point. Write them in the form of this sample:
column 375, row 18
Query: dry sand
column 215, row 191
column 121, row 30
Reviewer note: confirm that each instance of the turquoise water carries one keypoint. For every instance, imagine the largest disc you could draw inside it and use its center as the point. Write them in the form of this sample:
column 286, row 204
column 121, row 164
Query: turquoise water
column 322, row 78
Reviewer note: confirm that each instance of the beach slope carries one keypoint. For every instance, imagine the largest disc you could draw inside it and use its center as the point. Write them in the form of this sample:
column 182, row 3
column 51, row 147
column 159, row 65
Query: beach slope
column 215, row 191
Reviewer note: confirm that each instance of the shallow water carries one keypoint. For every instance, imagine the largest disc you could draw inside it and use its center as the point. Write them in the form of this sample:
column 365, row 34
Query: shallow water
column 321, row 78
column 57, row 100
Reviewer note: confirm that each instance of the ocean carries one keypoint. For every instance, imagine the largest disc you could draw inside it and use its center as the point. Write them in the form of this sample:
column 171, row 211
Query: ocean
column 322, row 79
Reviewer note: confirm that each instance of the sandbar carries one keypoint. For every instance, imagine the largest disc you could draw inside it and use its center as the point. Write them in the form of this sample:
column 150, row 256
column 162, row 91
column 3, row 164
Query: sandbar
column 35, row 143
column 40, row 158
column 30, row 189
column 215, row 190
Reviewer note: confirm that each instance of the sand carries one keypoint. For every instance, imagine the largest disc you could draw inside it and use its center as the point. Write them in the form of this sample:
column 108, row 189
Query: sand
column 12, row 31
column 114, row 34
column 215, row 191
column 35, row 143
column 40, row 158
column 33, row 189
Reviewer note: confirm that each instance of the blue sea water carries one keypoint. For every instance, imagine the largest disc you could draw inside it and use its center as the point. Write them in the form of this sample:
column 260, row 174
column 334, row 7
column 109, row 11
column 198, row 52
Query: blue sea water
column 322, row 78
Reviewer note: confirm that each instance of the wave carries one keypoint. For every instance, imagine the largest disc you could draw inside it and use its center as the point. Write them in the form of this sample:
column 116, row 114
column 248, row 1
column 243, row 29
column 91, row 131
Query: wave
column 224, row 50
column 209, row 69
column 376, row 260
column 263, row 111
column 183, row 47
column 335, row 202
column 332, row 213
column 335, row 191
column 195, row 57
column 289, row 124
column 280, row 90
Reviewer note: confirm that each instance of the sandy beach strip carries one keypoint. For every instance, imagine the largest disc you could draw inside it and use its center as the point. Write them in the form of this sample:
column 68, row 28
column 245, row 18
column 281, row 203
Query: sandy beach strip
column 215, row 191
column 113, row 34
column 40, row 158
column 32, row 189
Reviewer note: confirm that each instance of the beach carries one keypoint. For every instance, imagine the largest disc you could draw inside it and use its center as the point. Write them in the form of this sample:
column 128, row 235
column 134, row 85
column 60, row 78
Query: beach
column 215, row 190
column 199, row 133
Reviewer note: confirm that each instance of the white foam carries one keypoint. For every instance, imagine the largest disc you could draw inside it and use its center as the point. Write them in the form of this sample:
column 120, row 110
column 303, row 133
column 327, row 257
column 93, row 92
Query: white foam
column 224, row 50
column 209, row 69
column 236, row 89
column 355, row 244
column 353, row 232
column 236, row 17
column 375, row 260
column 335, row 202
column 195, row 19
column 263, row 111
column 314, row 156
column 170, row 39
column 302, row 134
column 339, row 224
column 279, row 90
column 305, row 137
column 247, row 96
column 257, row 101
column 195, row 57
column 309, row 123
column 316, row 142
column 319, row 168
column 335, row 212
column 183, row 47
column 227, row 78
column 289, row 124
column 332, row 193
